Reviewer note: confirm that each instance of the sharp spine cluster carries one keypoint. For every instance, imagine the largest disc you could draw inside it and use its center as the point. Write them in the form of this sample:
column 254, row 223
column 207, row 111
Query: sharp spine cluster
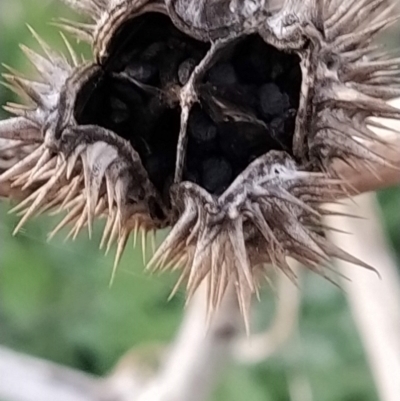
column 272, row 209
column 273, row 197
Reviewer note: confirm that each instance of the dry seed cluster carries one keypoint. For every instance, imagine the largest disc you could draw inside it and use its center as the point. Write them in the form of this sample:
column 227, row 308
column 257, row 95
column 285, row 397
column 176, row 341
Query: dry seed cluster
column 219, row 119
column 247, row 102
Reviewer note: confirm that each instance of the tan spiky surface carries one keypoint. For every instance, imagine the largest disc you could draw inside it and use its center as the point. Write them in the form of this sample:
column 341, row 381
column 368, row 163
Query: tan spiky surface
column 272, row 210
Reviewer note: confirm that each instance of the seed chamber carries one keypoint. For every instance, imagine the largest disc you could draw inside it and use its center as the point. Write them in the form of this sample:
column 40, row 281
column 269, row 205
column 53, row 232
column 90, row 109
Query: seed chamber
column 247, row 101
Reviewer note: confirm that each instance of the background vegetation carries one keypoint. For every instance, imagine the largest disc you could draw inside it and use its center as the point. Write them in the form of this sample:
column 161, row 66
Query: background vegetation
column 55, row 301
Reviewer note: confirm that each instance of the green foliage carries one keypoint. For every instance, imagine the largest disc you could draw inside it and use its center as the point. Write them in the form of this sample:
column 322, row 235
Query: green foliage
column 55, row 301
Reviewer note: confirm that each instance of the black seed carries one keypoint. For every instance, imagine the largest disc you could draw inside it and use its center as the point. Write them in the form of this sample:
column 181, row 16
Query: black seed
column 272, row 101
column 169, row 69
column 202, row 129
column 222, row 75
column 185, row 70
column 142, row 71
column 216, row 174
column 175, row 54
column 241, row 141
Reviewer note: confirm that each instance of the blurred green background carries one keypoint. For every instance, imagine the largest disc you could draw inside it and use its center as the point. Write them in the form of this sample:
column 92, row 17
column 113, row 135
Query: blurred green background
column 55, row 301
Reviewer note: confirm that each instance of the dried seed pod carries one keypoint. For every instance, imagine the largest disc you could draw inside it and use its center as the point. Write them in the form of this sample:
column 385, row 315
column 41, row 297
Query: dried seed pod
column 281, row 92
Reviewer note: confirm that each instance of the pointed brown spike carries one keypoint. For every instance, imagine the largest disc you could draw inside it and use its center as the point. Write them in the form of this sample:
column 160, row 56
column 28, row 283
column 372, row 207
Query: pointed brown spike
column 175, row 258
column 153, row 241
column 178, row 232
column 13, row 71
column 200, row 265
column 57, row 199
column 215, row 282
column 43, row 65
column 20, row 180
column 285, row 268
column 51, row 54
column 224, row 281
column 70, row 233
column 356, row 14
column 101, row 208
column 91, row 8
column 378, row 91
column 197, row 279
column 45, row 172
column 177, row 286
column 72, row 192
column 327, row 212
column 78, row 199
column 217, row 262
column 339, row 12
column 136, row 228
column 144, row 246
column 259, row 221
column 209, row 306
column 110, row 193
column 171, row 261
column 44, row 159
column 244, row 296
column 120, row 250
column 349, row 129
column 89, row 209
column 162, row 265
column 114, row 232
column 22, row 166
column 349, row 41
column 12, row 87
column 82, row 221
column 326, row 227
column 335, row 252
column 349, row 98
column 96, row 159
column 71, row 51
column 107, row 230
column 69, row 218
column 41, row 194
column 239, row 250
column 20, row 110
column 81, row 31
column 286, row 196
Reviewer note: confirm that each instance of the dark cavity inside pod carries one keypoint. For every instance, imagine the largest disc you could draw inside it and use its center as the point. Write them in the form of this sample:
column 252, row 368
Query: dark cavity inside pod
column 248, row 101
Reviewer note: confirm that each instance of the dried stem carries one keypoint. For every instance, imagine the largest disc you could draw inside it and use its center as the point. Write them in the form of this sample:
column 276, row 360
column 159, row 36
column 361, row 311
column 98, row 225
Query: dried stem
column 375, row 303
column 261, row 346
column 188, row 373
column 26, row 378
column 199, row 353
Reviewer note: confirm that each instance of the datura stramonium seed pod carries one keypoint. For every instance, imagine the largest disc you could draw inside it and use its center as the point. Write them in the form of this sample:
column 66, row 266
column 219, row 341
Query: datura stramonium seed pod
column 218, row 119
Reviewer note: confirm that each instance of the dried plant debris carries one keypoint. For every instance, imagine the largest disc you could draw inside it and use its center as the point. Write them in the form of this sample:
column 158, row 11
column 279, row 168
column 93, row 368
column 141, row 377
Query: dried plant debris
column 218, row 119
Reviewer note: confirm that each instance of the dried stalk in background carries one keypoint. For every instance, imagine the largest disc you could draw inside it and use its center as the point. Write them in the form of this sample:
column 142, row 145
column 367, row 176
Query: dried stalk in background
column 375, row 303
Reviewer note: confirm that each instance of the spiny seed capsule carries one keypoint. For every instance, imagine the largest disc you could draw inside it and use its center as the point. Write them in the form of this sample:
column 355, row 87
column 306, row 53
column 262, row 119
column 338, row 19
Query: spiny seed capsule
column 217, row 119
